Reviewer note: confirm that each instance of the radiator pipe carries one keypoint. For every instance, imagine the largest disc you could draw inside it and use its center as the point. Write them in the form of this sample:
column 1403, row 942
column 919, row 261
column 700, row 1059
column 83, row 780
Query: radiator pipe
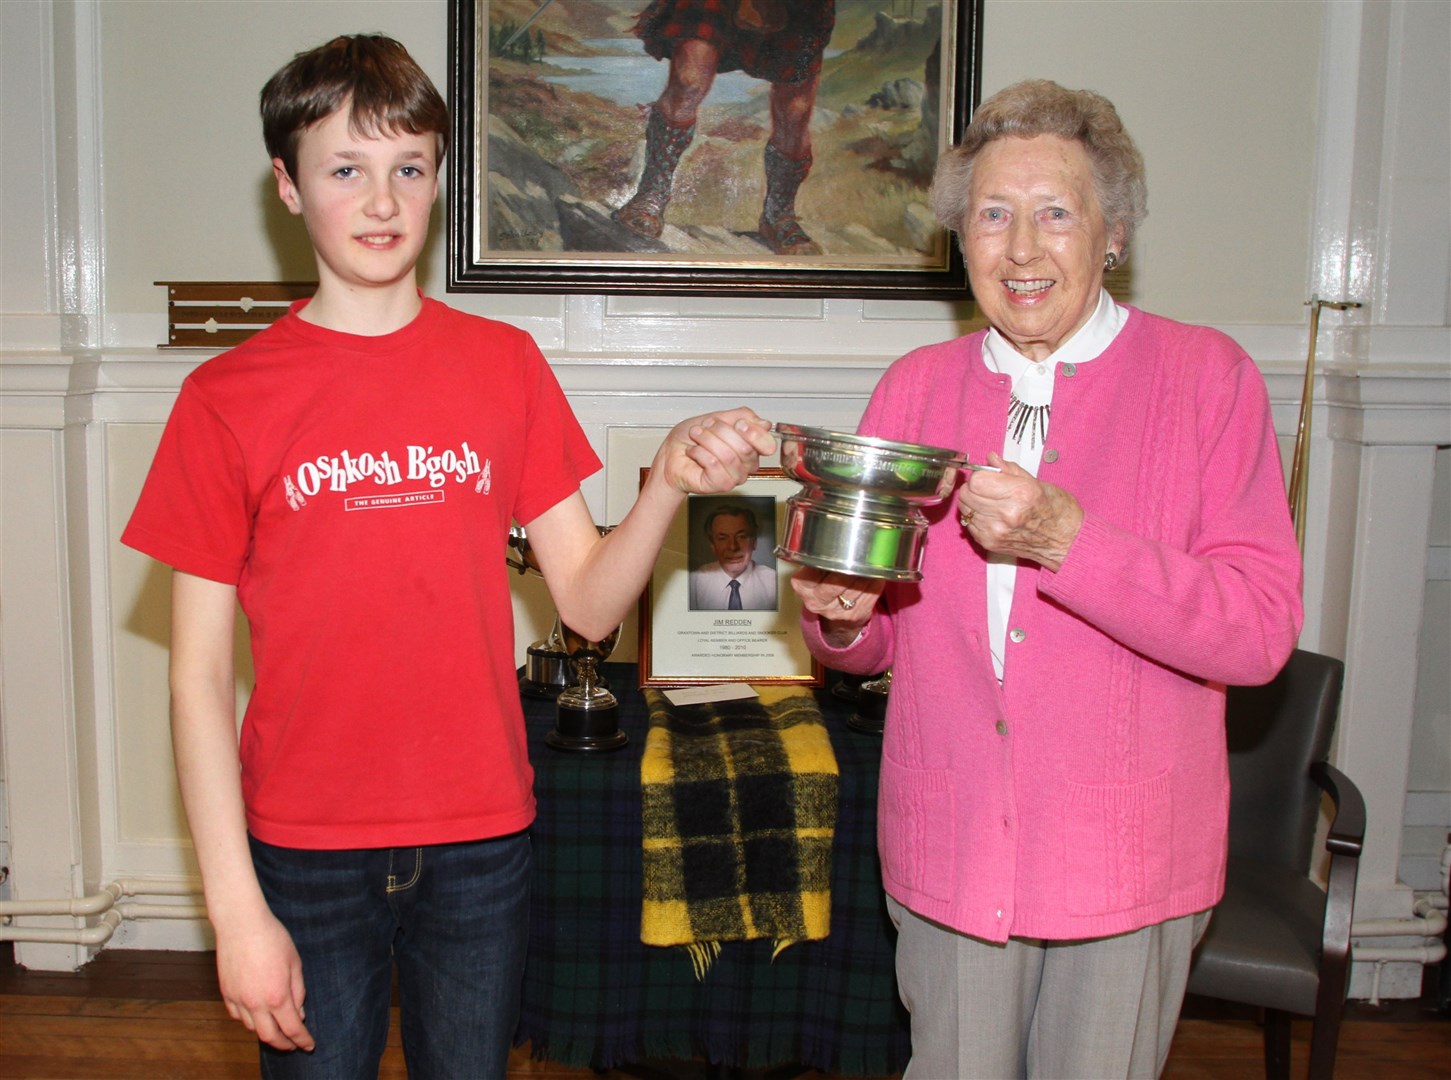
column 1411, row 954
column 58, row 935
column 1427, row 922
column 1429, row 919
column 108, row 903
column 1404, row 954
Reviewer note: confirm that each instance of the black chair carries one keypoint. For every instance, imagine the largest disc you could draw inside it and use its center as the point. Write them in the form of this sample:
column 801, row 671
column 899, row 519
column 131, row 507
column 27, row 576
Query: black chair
column 1277, row 941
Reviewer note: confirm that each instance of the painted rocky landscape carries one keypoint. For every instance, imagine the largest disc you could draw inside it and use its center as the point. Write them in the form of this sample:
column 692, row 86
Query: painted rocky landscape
column 561, row 156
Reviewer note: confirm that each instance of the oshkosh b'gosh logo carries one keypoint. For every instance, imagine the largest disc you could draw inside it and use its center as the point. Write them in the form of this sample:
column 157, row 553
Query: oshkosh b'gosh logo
column 343, row 471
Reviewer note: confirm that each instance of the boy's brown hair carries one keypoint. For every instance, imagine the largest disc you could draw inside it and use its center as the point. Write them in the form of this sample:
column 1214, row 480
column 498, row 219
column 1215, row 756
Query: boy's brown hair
column 383, row 87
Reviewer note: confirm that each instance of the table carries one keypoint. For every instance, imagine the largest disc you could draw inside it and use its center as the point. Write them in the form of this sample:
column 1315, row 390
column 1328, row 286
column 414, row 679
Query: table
column 595, row 996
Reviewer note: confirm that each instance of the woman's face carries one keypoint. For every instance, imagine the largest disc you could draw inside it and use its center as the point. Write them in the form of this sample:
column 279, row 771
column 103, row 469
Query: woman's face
column 1035, row 240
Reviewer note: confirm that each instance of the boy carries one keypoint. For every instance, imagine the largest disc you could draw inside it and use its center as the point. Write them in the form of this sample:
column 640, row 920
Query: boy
column 349, row 475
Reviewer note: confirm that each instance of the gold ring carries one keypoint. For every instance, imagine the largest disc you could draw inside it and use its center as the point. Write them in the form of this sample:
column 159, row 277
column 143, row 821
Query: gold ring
column 844, row 602
column 965, row 518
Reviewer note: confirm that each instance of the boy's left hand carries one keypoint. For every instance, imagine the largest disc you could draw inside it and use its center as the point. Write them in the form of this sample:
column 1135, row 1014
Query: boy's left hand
column 709, row 454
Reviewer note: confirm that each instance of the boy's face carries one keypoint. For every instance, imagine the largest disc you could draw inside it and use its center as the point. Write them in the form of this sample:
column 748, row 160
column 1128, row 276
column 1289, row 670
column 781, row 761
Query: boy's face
column 365, row 201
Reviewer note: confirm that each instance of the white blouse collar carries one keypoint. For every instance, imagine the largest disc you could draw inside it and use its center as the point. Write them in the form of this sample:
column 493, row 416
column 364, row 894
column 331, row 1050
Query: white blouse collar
column 1087, row 343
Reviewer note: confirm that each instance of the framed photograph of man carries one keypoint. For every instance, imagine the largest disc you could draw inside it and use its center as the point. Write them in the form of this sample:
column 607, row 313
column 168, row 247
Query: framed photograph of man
column 732, row 553
column 748, row 147
column 719, row 606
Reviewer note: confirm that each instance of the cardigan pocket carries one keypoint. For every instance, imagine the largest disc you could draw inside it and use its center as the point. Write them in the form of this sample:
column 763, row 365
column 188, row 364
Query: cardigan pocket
column 1116, row 841
column 917, row 829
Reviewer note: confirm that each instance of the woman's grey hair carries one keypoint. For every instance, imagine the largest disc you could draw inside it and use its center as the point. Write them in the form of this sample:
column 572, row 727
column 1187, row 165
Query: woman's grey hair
column 1040, row 107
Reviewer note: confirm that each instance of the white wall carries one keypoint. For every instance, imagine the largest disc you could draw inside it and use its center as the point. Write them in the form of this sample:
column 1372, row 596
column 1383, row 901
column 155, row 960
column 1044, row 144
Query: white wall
column 189, row 193
column 1292, row 147
column 1428, row 782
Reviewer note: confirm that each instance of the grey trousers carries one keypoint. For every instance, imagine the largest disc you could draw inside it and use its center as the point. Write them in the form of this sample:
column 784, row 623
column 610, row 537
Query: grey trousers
column 1068, row 1010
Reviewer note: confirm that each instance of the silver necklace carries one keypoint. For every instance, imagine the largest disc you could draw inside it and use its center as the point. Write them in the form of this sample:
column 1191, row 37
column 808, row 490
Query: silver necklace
column 1032, row 419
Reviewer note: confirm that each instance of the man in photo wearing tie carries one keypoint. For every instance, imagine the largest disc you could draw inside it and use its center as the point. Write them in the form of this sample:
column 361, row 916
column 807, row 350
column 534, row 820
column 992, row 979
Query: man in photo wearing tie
column 734, row 581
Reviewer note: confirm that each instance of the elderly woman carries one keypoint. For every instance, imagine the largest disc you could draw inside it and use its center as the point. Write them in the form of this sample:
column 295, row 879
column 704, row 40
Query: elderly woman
column 1054, row 793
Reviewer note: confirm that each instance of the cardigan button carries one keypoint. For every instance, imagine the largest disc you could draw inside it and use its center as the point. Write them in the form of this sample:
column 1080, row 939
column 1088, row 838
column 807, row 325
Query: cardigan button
column 1018, row 634
column 1069, row 370
column 1050, row 456
column 1002, row 727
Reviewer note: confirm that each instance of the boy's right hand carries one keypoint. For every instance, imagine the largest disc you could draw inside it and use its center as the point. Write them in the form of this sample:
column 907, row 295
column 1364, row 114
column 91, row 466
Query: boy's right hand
column 715, row 453
column 261, row 979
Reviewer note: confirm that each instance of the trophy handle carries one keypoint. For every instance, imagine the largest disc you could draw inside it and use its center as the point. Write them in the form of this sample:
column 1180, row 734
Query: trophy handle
column 524, row 560
column 882, row 684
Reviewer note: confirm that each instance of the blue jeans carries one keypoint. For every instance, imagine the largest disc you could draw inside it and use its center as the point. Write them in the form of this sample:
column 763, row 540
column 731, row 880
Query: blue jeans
column 455, row 917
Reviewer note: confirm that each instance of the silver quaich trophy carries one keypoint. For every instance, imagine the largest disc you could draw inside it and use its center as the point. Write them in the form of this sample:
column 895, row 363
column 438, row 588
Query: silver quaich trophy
column 859, row 510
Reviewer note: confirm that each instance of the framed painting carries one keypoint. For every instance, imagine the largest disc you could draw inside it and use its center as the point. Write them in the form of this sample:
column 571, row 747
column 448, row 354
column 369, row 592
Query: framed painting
column 719, row 606
column 749, row 147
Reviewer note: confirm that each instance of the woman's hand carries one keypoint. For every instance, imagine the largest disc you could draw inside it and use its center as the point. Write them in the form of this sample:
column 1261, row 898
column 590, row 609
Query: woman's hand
column 1013, row 513
column 842, row 602
column 709, row 454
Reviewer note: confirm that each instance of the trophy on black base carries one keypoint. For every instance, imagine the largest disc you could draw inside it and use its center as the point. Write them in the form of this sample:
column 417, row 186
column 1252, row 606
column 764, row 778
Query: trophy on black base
column 848, row 686
column 870, row 716
column 587, row 715
column 546, row 662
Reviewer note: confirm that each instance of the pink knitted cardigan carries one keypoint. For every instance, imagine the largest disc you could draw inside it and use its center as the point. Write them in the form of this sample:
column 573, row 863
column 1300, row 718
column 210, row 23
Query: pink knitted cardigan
column 1088, row 794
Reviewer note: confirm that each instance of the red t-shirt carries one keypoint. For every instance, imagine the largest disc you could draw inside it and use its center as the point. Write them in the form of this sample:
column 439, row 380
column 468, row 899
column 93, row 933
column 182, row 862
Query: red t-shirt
column 358, row 491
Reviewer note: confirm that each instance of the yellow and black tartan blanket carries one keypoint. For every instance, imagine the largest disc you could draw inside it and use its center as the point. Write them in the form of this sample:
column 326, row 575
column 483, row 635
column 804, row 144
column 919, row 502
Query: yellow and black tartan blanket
column 739, row 809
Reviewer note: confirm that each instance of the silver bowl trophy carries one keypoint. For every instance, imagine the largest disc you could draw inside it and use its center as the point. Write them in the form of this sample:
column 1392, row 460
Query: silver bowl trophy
column 587, row 715
column 859, row 507
column 859, row 512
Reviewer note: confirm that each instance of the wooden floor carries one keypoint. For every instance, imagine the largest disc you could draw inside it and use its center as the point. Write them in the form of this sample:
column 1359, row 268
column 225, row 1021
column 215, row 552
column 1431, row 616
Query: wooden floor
column 155, row 1015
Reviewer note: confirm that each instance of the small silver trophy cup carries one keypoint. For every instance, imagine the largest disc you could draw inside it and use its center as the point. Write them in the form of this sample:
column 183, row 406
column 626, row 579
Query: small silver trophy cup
column 546, row 664
column 587, row 715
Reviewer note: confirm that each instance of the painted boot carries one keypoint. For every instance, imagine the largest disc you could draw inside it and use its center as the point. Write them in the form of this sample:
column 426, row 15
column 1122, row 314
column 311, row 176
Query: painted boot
column 779, row 228
column 645, row 212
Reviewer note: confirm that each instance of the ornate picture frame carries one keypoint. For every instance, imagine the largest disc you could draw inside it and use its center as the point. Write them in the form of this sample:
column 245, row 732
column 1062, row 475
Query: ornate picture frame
column 554, row 102
column 689, row 635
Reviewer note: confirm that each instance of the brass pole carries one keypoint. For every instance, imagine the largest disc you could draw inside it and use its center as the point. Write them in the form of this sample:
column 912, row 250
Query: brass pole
column 1300, row 460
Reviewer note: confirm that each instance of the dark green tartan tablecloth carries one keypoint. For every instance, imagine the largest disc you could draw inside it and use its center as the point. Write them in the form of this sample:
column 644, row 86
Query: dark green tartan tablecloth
column 595, row 996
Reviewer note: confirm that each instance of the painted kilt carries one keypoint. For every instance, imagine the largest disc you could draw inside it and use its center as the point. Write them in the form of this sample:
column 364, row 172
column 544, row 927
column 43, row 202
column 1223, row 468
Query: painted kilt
column 791, row 54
